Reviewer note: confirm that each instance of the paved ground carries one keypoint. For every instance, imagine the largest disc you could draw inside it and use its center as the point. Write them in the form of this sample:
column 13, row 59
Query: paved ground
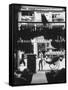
column 39, row 77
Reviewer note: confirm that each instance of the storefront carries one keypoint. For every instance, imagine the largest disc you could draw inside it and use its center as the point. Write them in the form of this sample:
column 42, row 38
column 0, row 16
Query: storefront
column 40, row 44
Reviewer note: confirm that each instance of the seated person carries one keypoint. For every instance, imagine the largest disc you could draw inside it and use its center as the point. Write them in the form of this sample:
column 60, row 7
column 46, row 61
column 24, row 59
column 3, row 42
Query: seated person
column 23, row 75
column 48, row 59
column 21, row 68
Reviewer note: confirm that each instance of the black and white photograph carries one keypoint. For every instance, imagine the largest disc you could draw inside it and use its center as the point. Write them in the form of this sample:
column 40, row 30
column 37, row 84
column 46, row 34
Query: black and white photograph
column 37, row 44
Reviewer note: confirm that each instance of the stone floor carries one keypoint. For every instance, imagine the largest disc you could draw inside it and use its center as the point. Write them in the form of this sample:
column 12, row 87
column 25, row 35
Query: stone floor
column 39, row 77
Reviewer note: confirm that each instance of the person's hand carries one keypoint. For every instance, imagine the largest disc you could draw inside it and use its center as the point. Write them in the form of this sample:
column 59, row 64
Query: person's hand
column 18, row 75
